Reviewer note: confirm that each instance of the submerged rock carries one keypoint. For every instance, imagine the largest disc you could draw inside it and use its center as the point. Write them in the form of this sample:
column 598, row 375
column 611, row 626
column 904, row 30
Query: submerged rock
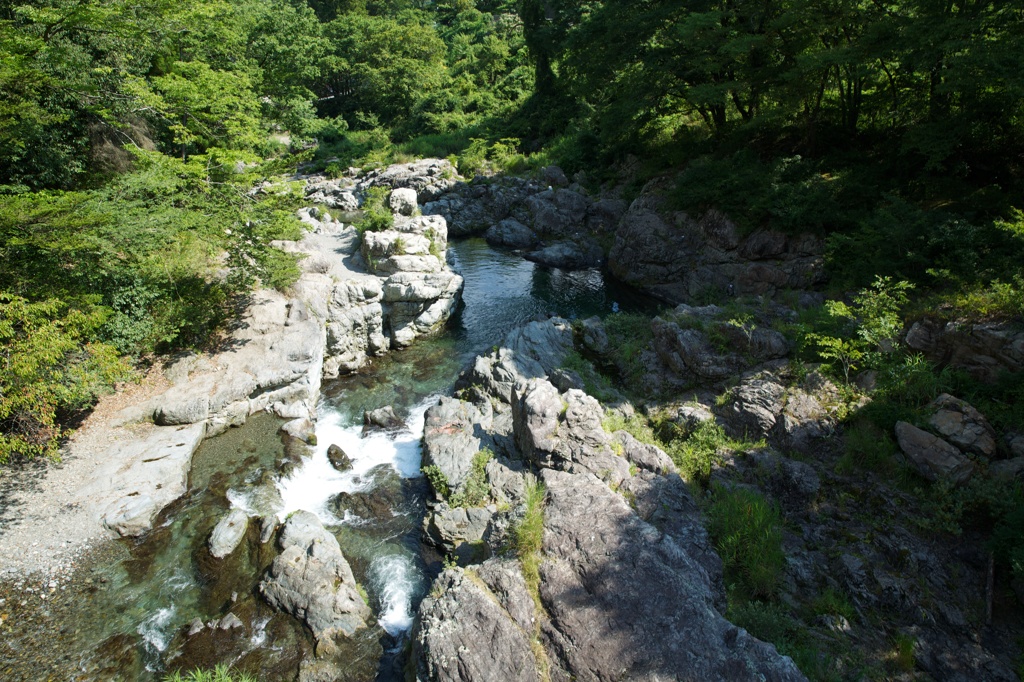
column 228, row 533
column 312, row 581
column 338, row 458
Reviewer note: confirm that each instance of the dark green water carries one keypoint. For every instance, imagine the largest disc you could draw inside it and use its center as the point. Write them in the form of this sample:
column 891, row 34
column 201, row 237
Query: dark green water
column 130, row 621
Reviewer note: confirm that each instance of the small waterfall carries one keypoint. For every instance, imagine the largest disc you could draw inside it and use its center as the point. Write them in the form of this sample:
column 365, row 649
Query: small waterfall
column 394, row 576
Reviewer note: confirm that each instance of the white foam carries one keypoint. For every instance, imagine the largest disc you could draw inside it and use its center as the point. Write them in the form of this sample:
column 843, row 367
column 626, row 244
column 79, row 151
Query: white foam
column 396, row 581
column 154, row 629
column 315, row 481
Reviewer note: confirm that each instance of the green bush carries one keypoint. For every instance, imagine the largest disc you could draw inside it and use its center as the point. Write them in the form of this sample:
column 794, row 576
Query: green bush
column 48, row 370
column 438, row 481
column 747, row 531
column 377, row 216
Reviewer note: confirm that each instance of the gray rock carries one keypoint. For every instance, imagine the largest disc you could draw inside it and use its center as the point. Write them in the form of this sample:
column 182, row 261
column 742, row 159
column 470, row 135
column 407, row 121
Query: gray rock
column 228, row 533
column 452, row 434
column 558, row 212
column 604, row 215
column 448, row 527
column 792, row 483
column 196, row 626
column 643, row 455
column 985, row 350
column 382, row 418
column 963, row 426
column 230, row 622
column 268, row 525
column 149, row 473
column 311, row 580
column 184, row 410
column 931, row 456
column 534, row 350
column 568, row 255
column 564, row 431
column 338, row 458
column 430, row 178
column 1008, row 469
column 627, row 602
column 512, row 234
column 466, row 635
column 302, row 429
column 553, row 175
column 403, row 201
column 757, row 404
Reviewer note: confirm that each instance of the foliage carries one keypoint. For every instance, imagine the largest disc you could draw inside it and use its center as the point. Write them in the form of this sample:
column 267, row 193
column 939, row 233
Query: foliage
column 377, row 216
column 771, row 622
column 47, row 371
column 221, row 673
column 747, row 531
column 476, row 490
column 697, row 452
column 438, row 481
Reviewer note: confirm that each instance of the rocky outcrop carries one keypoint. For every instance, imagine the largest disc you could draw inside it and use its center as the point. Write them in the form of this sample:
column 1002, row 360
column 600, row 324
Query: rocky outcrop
column 569, row 255
column 149, row 472
column 512, row 234
column 684, row 342
column 601, row 559
column 534, row 350
column 462, row 612
column 564, row 431
column 678, row 257
column 311, row 580
column 984, row 349
column 628, row 590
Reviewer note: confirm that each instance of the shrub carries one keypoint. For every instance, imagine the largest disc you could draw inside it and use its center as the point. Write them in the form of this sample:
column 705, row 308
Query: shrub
column 438, row 481
column 377, row 216
column 747, row 531
column 48, row 369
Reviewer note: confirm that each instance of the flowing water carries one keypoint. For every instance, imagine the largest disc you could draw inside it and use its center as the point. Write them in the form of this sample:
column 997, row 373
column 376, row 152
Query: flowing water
column 129, row 619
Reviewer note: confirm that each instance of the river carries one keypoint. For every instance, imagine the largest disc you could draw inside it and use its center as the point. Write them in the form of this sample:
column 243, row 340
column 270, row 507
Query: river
column 127, row 614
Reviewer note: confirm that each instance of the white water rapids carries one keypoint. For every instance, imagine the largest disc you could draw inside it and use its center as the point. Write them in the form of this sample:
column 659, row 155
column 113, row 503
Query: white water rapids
column 311, row 486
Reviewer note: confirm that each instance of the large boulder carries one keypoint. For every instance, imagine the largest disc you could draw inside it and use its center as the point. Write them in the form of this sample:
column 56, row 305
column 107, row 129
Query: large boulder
column 533, row 350
column 472, row 632
column 564, row 431
column 986, row 350
column 512, row 234
column 558, row 212
column 963, row 426
column 402, row 201
column 931, row 456
column 568, row 255
column 453, row 432
column 312, row 581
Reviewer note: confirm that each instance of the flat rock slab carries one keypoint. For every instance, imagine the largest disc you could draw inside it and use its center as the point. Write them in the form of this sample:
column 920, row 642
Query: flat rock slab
column 150, row 472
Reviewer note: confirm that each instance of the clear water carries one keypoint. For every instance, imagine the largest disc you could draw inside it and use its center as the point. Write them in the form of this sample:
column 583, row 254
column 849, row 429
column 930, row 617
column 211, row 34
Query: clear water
column 130, row 623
